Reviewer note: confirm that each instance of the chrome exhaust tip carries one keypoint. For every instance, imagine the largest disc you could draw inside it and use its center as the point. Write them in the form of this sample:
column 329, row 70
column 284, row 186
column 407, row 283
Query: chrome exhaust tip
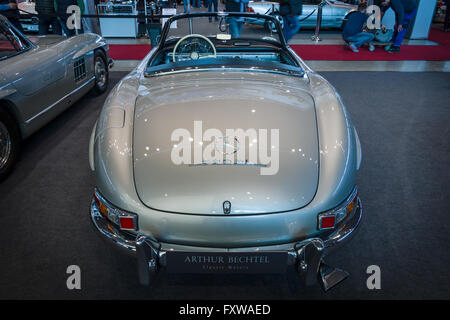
column 330, row 277
column 312, row 268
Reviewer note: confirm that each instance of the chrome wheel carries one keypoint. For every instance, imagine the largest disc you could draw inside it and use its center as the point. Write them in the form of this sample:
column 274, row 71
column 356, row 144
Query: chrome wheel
column 5, row 145
column 100, row 72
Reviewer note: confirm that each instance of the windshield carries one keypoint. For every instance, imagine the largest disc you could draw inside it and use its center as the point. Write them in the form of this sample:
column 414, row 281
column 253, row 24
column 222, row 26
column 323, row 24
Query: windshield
column 225, row 26
column 207, row 41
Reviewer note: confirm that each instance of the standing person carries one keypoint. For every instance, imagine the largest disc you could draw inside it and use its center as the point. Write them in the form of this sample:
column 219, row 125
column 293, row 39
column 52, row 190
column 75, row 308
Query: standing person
column 8, row 8
column 196, row 4
column 185, row 3
column 405, row 10
column 46, row 8
column 353, row 31
column 290, row 11
column 235, row 23
column 210, row 5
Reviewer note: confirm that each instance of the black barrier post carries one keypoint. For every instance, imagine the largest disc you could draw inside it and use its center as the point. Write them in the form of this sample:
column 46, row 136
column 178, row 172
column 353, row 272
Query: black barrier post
column 316, row 37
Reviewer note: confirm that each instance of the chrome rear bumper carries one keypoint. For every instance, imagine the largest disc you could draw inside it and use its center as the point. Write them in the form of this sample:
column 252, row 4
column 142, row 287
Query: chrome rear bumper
column 307, row 255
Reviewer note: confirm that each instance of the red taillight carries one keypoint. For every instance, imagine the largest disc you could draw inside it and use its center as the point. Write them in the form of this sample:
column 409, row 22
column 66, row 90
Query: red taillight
column 250, row 10
column 327, row 222
column 127, row 223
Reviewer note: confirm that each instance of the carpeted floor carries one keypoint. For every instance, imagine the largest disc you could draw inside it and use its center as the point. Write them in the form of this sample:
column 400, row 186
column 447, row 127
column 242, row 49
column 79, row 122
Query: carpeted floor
column 403, row 122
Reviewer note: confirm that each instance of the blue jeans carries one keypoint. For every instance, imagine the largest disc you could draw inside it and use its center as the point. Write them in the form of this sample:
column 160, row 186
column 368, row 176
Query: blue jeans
column 235, row 26
column 196, row 4
column 360, row 39
column 398, row 36
column 210, row 5
column 291, row 25
column 185, row 2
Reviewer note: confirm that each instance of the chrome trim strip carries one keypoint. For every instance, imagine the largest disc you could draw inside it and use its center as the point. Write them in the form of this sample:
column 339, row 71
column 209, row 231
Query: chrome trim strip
column 286, row 73
column 60, row 100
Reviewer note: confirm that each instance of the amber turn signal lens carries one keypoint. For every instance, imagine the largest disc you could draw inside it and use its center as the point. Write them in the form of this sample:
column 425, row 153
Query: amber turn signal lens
column 350, row 207
column 101, row 207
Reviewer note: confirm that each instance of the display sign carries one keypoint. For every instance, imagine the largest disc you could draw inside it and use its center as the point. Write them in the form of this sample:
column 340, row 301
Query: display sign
column 226, row 262
column 171, row 12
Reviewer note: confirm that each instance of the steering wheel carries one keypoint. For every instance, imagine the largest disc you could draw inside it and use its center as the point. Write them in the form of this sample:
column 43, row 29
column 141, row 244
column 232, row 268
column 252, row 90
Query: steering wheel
column 195, row 46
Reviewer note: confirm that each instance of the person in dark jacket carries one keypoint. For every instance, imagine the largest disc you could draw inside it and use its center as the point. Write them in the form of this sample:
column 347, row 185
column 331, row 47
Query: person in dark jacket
column 353, row 31
column 45, row 9
column 235, row 23
column 290, row 10
column 8, row 8
column 405, row 10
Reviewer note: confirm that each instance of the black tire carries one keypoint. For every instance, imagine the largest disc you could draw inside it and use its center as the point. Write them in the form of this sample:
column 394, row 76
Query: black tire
column 9, row 144
column 101, row 75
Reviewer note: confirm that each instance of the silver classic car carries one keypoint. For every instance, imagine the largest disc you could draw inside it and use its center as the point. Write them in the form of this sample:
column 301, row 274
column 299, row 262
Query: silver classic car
column 39, row 78
column 225, row 153
column 334, row 13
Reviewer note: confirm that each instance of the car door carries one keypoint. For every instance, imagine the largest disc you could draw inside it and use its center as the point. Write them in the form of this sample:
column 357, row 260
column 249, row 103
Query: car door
column 338, row 10
column 32, row 72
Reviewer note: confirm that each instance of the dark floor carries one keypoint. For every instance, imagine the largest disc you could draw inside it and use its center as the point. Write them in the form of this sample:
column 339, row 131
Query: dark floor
column 403, row 122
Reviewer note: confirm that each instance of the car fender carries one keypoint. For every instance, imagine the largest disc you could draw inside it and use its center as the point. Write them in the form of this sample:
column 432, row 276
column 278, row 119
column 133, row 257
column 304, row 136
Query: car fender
column 112, row 157
column 338, row 148
column 96, row 43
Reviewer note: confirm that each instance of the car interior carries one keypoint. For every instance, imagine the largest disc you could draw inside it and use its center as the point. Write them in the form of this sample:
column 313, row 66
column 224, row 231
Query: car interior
column 242, row 53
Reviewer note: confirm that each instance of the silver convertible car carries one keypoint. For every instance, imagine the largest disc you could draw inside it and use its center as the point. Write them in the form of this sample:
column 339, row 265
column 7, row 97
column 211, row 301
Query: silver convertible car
column 334, row 13
column 39, row 78
column 225, row 154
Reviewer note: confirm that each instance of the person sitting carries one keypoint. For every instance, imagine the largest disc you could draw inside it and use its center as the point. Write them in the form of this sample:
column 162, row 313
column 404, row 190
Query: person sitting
column 353, row 31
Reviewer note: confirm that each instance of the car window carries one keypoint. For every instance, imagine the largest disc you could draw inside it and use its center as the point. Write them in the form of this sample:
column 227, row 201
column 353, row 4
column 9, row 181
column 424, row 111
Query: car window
column 11, row 41
column 222, row 26
column 6, row 46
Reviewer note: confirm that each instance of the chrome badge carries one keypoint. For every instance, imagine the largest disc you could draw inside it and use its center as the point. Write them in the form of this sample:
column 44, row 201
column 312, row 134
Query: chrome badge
column 226, row 205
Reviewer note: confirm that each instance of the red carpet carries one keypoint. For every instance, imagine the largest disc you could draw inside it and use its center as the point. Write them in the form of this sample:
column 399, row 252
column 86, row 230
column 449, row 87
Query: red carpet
column 329, row 52
column 129, row 51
